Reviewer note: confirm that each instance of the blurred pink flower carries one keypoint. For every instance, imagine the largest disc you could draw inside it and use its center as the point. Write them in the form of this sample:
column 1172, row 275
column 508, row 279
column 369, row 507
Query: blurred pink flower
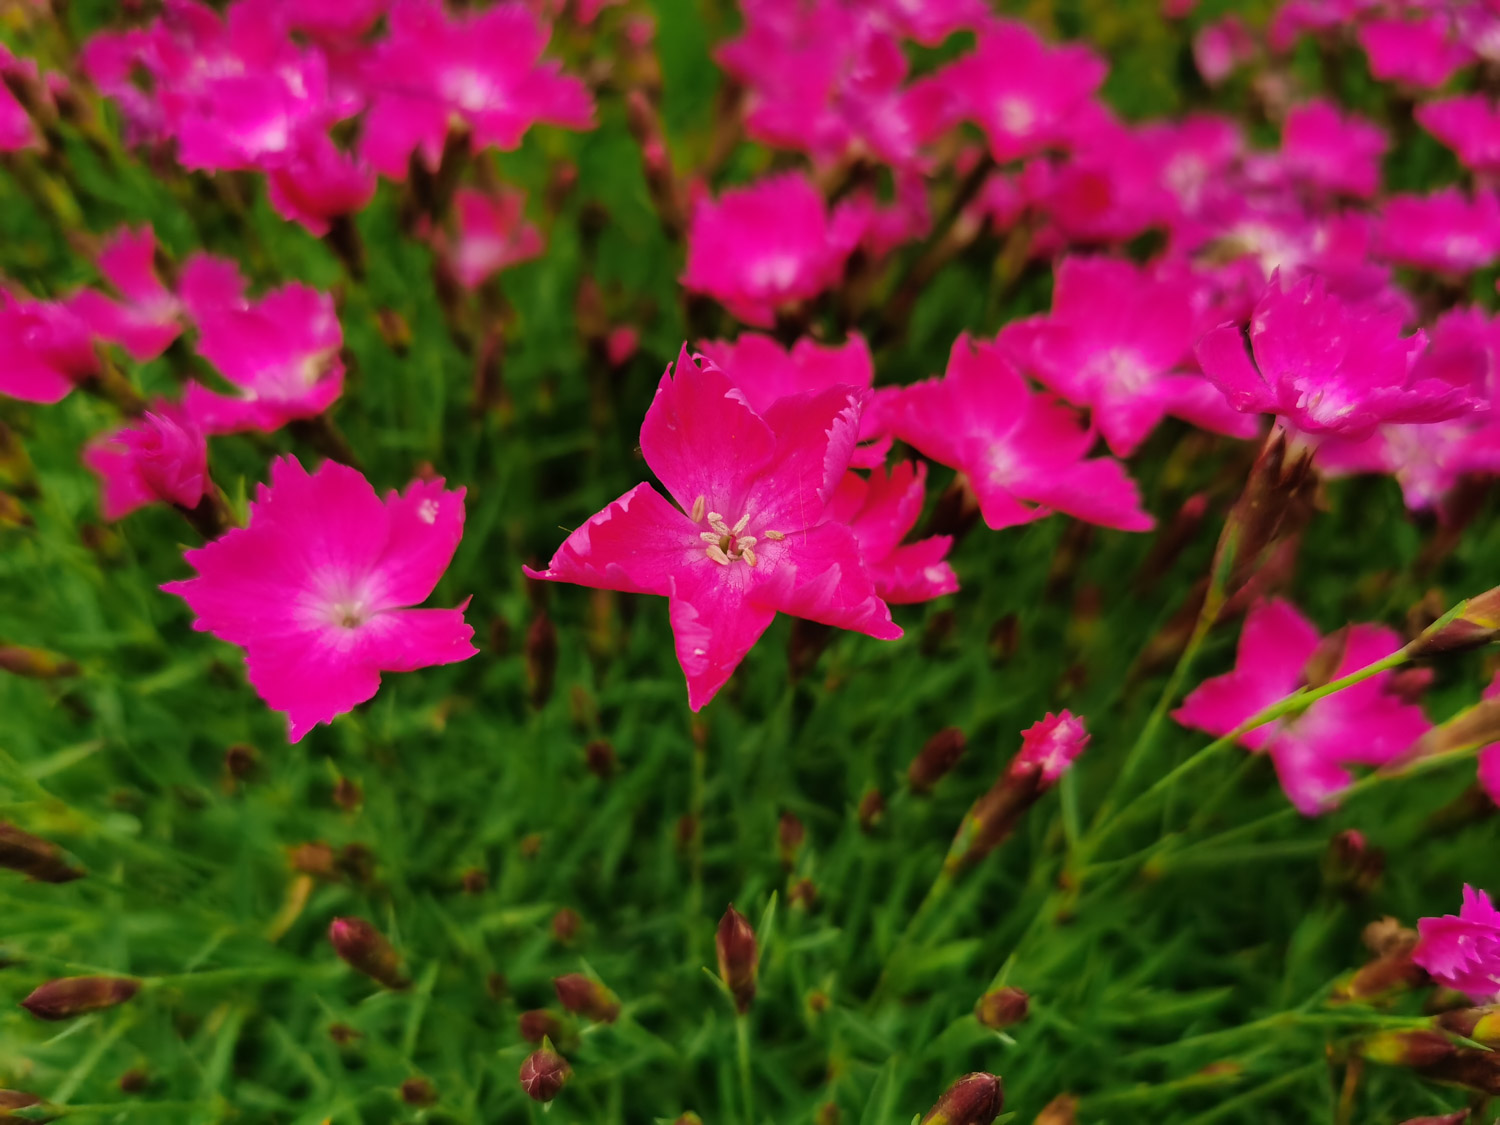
column 772, row 243
column 1446, row 231
column 16, row 130
column 929, row 22
column 148, row 319
column 318, row 182
column 1119, row 340
column 160, row 457
column 1469, row 124
column 330, row 20
column 1024, row 454
column 1366, row 724
column 621, row 344
column 1462, row 951
column 281, row 353
column 483, row 69
column 881, row 510
column 1222, row 47
column 1338, row 152
column 45, row 349
column 316, row 588
column 1023, row 93
column 1324, row 365
column 765, row 372
column 1423, row 51
column 748, row 538
column 1295, row 18
column 1050, row 746
column 493, row 234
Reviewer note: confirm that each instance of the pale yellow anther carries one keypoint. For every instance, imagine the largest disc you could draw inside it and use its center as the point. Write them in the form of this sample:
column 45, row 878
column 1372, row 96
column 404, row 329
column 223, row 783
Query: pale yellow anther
column 748, row 555
column 699, row 506
column 709, row 536
column 739, row 527
column 745, row 541
column 715, row 517
column 719, row 526
column 718, row 555
column 775, row 536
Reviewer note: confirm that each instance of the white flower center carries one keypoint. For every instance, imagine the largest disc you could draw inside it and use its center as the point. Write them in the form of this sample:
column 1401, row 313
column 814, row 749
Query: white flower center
column 725, row 544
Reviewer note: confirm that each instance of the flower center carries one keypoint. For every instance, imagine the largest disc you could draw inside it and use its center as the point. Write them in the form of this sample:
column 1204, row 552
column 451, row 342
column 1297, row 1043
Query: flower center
column 725, row 544
column 348, row 614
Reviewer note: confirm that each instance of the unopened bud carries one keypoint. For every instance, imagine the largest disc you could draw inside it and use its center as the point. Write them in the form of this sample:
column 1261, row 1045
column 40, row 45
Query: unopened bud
column 316, row 859
column 496, row 987
column 75, row 996
column 541, row 657
column 35, row 663
column 357, row 862
column 134, row 1081
column 975, row 1099
column 474, row 881
column 803, row 895
column 539, row 1024
column 38, row 859
column 240, row 761
column 343, row 1035
column 1351, row 864
column 600, row 758
column 739, row 958
column 1002, row 1007
column 12, row 514
column 871, row 811
column 939, row 755
column 790, row 833
column 1472, row 727
column 543, row 1074
column 828, row 1114
column 565, row 925
column 1482, row 1025
column 586, row 997
column 1413, row 1049
column 12, row 1100
column 1061, row 1110
column 348, row 795
column 688, row 1118
column 1475, row 624
column 366, row 949
column 418, row 1092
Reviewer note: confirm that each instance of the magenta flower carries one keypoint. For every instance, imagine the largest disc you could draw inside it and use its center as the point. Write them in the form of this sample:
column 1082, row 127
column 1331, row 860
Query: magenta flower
column 1222, row 47
column 1332, row 150
column 1295, row 18
column 748, row 538
column 318, row 182
column 1469, row 124
column 281, row 353
column 1025, row 455
column 1367, row 724
column 484, row 69
column 45, row 349
column 1021, row 92
column 929, row 22
column 1446, row 231
column 765, row 372
column 16, row 130
column 1119, row 341
column 333, row 21
column 773, row 243
column 1426, row 460
column 160, row 458
column 881, row 510
column 1050, row 746
column 493, row 234
column 147, row 320
column 1326, row 366
column 1462, row 952
column 1423, row 52
column 316, row 589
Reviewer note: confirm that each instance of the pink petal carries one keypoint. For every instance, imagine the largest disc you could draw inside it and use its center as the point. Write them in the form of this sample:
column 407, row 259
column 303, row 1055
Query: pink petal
column 820, row 577
column 635, row 545
column 713, row 627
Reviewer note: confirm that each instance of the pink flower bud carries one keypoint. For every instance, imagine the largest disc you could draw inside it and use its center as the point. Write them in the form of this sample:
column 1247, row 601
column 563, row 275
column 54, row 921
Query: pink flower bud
column 1050, row 746
column 975, row 1099
column 34, row 857
column 366, row 949
column 75, row 996
column 1002, row 1007
column 938, row 755
column 543, row 1074
column 586, row 997
column 739, row 957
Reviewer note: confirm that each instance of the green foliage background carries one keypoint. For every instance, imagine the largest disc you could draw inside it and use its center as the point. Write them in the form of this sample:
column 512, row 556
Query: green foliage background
column 1150, row 977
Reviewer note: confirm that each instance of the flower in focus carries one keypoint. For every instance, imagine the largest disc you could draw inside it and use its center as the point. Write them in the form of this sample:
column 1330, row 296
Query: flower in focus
column 281, row 353
column 1462, row 951
column 1365, row 724
column 764, row 372
column 1325, row 366
column 162, row 457
column 1025, row 454
column 748, row 537
column 1446, row 231
column 493, row 234
column 773, row 243
column 147, row 319
column 483, row 69
column 45, row 349
column 1423, row 52
column 881, row 510
column 1469, row 124
column 316, row 588
column 1119, row 340
column 1050, row 746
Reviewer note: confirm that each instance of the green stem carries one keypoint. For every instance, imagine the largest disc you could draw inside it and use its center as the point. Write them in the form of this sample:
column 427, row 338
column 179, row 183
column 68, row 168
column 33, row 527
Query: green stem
column 747, row 1089
column 936, row 894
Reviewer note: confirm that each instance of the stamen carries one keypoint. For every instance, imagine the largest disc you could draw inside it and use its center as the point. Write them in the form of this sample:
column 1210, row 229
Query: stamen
column 739, row 527
column 748, row 555
column 709, row 536
column 745, row 541
column 717, row 554
column 775, row 536
column 699, row 506
column 714, row 517
column 719, row 526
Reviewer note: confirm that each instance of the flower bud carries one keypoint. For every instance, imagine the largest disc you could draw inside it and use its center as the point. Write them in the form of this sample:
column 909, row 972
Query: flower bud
column 739, row 957
column 348, row 795
column 35, row 663
column 1002, row 1007
column 565, row 925
column 1476, row 624
column 790, row 833
column 938, row 755
column 543, row 1074
column 539, row 1024
column 418, row 1092
column 474, row 880
column 975, row 1099
column 134, row 1081
column 1061, row 1110
column 586, row 997
column 1049, row 747
column 1414, row 1049
column 688, row 1118
column 170, row 454
column 828, row 1114
column 541, row 657
column 315, row 858
column 12, row 514
column 240, row 761
column 366, row 949
column 871, row 810
column 803, row 895
column 38, row 859
column 75, row 996
column 1351, row 865
column 1472, row 727
column 600, row 758
column 18, row 1099
column 1482, row 1025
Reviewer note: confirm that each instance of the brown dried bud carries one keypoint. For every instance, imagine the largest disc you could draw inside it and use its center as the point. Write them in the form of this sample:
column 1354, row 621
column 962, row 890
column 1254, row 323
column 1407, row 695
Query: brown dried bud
column 134, row 1081
column 315, row 858
column 565, row 925
column 586, row 997
column 1414, row 1049
column 939, row 755
column 530, row 845
column 366, row 949
column 541, row 657
column 539, row 1024
column 871, row 810
column 348, row 795
column 1476, row 624
column 75, row 996
column 419, row 1092
column 1392, row 973
column 1004, row 639
column 1061, row 1110
column 1479, row 1024
column 1351, row 865
column 790, row 833
column 600, row 758
column 343, row 1035
column 240, row 761
column 803, row 895
column 394, row 329
column 1002, row 1007
column 35, row 663
column 828, row 1114
column 474, row 881
column 19, row 1099
column 543, row 1074
column 357, row 862
column 739, row 958
column 685, row 835
column 1387, row 935
column 496, row 987
column 975, row 1099
column 37, row 859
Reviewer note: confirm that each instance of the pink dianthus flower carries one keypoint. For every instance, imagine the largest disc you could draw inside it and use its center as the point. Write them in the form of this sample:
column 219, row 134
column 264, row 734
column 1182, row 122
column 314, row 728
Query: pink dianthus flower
column 161, row 457
column 1462, row 951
